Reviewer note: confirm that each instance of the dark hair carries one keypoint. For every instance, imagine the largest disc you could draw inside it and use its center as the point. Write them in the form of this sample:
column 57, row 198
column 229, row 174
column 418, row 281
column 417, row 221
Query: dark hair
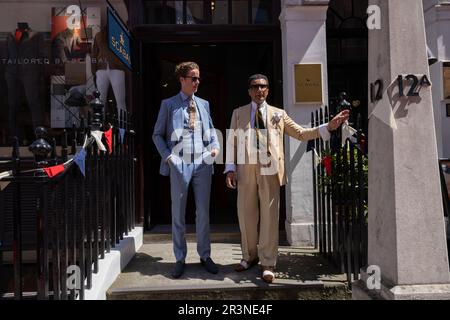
column 256, row 77
column 183, row 68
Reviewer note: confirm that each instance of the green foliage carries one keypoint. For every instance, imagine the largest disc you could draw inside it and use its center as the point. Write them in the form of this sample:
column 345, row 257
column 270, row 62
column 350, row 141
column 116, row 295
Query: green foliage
column 351, row 186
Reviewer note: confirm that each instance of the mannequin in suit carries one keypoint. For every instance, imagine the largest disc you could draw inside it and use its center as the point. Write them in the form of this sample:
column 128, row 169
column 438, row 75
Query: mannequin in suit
column 25, row 66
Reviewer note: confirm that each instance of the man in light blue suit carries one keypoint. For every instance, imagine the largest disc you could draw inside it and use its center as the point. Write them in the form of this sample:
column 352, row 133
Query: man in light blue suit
column 187, row 142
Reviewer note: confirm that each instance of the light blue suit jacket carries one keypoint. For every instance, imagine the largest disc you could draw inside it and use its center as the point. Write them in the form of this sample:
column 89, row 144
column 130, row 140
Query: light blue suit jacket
column 170, row 123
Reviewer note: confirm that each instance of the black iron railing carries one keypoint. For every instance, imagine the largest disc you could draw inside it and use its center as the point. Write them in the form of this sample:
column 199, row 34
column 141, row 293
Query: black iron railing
column 340, row 197
column 54, row 229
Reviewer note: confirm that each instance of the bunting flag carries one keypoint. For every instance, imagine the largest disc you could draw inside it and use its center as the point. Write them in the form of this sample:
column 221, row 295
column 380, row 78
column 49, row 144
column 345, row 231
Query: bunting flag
column 98, row 138
column 108, row 137
column 327, row 164
column 362, row 144
column 311, row 147
column 54, row 171
column 5, row 174
column 348, row 133
column 122, row 135
column 80, row 160
column 3, row 185
column 384, row 111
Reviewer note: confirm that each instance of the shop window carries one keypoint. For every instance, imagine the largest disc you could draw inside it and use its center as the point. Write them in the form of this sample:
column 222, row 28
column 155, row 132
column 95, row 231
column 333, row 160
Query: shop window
column 446, row 75
column 48, row 74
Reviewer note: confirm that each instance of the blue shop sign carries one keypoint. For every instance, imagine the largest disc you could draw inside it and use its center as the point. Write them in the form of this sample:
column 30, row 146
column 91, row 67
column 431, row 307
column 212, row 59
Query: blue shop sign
column 119, row 39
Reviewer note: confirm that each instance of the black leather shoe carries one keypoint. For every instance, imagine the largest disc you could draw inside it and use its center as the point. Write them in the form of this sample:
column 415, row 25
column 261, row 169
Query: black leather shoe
column 209, row 265
column 178, row 269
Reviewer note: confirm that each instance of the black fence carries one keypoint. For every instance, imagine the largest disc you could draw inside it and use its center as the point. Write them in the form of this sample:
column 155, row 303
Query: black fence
column 54, row 229
column 340, row 174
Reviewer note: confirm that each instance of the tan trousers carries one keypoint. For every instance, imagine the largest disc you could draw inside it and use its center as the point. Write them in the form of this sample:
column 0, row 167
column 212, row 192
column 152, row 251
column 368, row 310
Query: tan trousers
column 258, row 201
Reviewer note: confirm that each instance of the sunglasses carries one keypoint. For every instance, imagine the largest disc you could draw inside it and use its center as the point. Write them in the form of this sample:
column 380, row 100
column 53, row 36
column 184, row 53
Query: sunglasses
column 259, row 86
column 194, row 79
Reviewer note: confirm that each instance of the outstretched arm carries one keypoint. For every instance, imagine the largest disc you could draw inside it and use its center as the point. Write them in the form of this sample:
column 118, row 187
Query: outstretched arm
column 296, row 131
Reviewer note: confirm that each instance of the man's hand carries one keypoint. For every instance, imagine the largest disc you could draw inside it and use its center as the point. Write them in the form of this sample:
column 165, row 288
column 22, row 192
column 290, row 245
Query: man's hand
column 214, row 153
column 231, row 180
column 338, row 120
column 173, row 159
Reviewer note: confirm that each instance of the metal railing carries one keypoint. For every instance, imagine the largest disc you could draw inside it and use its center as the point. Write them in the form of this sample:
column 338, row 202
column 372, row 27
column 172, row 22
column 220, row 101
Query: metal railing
column 54, row 229
column 340, row 197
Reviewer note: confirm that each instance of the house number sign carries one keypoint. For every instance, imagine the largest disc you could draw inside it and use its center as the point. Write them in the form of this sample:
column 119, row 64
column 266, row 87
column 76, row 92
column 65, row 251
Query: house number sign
column 417, row 82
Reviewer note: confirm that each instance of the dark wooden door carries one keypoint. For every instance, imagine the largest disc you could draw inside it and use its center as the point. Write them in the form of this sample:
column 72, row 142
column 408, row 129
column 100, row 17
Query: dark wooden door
column 224, row 68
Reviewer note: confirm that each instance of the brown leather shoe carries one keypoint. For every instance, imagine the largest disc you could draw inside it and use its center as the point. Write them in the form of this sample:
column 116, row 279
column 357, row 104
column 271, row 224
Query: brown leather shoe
column 268, row 274
column 245, row 265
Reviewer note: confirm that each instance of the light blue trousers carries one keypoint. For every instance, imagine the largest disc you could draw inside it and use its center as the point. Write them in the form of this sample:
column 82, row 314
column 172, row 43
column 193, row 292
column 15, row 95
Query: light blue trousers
column 200, row 176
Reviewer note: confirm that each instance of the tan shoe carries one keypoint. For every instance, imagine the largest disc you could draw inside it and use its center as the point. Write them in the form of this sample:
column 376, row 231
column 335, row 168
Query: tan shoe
column 245, row 265
column 268, row 274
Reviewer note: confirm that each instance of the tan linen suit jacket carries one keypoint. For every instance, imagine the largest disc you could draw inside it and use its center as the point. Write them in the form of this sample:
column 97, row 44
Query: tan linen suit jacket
column 241, row 120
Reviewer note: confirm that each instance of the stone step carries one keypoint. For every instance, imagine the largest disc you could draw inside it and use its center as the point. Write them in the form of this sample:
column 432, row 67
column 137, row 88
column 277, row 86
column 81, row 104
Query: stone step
column 282, row 290
column 301, row 274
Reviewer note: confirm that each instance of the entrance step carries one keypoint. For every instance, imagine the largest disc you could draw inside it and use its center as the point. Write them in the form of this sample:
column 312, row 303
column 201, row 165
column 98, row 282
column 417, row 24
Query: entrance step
column 301, row 274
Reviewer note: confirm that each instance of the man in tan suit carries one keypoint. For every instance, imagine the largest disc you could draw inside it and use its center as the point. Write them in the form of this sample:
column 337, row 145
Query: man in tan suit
column 255, row 166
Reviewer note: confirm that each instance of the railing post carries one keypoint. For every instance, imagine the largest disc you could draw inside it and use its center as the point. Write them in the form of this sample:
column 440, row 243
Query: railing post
column 132, row 138
column 322, row 192
column 328, row 194
column 319, row 199
column 64, row 223
column 17, row 217
column 40, row 148
column 314, row 178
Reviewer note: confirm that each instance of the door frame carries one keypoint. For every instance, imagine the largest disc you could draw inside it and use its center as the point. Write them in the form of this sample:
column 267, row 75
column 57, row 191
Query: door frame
column 198, row 34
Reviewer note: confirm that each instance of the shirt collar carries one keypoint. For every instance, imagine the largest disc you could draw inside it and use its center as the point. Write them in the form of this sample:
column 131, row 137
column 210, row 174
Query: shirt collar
column 185, row 97
column 262, row 106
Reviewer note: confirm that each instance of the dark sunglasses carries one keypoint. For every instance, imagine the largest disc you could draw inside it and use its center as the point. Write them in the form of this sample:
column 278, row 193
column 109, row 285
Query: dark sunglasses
column 194, row 79
column 259, row 86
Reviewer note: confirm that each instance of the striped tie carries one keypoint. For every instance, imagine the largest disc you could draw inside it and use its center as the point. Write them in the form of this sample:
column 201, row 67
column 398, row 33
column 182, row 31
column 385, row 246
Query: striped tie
column 259, row 125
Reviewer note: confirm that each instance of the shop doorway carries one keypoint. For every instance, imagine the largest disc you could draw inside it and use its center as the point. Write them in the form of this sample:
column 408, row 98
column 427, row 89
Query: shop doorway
column 225, row 68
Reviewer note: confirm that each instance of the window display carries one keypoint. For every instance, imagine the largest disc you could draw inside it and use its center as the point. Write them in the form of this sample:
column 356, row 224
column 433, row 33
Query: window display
column 73, row 33
column 24, row 68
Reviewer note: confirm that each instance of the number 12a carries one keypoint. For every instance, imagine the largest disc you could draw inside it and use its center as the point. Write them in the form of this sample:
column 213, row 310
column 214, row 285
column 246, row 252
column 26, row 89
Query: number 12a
column 415, row 81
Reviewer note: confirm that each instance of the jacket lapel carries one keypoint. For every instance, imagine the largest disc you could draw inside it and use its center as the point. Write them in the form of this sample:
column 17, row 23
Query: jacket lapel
column 204, row 116
column 177, row 117
column 245, row 117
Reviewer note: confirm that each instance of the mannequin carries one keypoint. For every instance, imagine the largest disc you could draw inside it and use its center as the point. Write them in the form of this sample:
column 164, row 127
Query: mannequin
column 25, row 54
column 66, row 45
column 108, row 69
